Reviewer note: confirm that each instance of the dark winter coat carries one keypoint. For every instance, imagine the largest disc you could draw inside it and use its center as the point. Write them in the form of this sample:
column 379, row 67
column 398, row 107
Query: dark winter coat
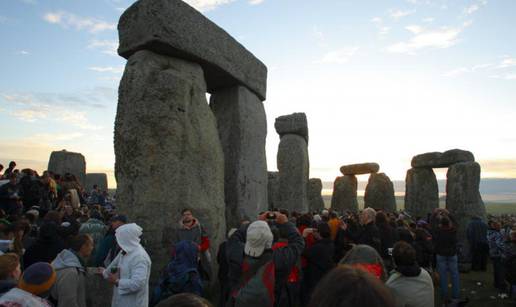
column 477, row 233
column 319, row 262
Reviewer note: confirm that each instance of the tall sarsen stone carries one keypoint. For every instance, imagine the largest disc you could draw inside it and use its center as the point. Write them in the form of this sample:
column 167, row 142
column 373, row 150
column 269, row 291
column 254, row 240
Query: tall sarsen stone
column 168, row 152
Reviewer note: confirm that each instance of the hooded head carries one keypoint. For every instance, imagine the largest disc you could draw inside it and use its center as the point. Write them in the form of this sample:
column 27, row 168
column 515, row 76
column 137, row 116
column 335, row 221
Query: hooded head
column 259, row 238
column 128, row 237
column 365, row 257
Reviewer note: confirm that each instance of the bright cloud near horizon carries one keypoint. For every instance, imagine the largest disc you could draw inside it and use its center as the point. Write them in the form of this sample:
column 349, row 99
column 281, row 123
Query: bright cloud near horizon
column 379, row 81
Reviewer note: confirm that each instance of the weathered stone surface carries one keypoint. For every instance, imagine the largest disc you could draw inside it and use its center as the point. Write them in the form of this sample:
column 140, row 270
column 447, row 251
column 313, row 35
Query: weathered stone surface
column 293, row 167
column 273, row 189
column 344, row 197
column 463, row 200
column 294, row 123
column 445, row 159
column 242, row 127
column 421, row 192
column 361, row 168
column 173, row 28
column 63, row 161
column 99, row 291
column 168, row 152
column 379, row 193
column 315, row 200
column 99, row 179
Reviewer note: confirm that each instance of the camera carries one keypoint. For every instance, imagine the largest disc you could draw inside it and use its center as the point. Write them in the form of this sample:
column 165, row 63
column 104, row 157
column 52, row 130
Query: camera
column 271, row 216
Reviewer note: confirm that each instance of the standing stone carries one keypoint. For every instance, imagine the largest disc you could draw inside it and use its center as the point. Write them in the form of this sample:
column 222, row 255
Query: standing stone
column 294, row 123
column 463, row 200
column 293, row 167
column 242, row 127
column 315, row 200
column 344, row 197
column 361, row 168
column 99, row 179
column 421, row 192
column 63, row 161
column 379, row 193
column 168, row 152
column 273, row 190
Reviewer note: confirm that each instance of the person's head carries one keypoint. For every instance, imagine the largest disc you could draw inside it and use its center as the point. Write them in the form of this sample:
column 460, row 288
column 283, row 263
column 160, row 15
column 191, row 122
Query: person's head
column 12, row 164
column 404, row 254
column 128, row 237
column 367, row 258
column 12, row 178
column 1, row 167
column 52, row 216
column 346, row 286
column 21, row 228
column 445, row 222
column 82, row 244
column 187, row 215
column 6, row 230
column 38, row 278
column 259, row 238
column 184, row 300
column 333, row 215
column 323, row 230
column 381, row 219
column 95, row 214
column 95, row 187
column 367, row 216
column 117, row 221
column 10, row 266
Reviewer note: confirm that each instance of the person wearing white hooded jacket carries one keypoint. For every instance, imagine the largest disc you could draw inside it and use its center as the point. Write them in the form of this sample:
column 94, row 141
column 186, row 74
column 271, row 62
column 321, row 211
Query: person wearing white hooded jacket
column 133, row 267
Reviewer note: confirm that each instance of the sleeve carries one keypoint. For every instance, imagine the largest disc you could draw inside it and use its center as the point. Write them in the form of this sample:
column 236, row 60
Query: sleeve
column 285, row 258
column 138, row 279
column 67, row 290
column 113, row 263
column 205, row 240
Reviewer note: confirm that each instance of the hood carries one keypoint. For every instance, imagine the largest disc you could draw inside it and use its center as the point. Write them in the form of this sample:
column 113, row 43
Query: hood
column 194, row 224
column 67, row 259
column 128, row 237
column 184, row 259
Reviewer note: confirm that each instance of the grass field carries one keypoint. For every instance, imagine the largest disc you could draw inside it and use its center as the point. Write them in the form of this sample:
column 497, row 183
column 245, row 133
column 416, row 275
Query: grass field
column 491, row 207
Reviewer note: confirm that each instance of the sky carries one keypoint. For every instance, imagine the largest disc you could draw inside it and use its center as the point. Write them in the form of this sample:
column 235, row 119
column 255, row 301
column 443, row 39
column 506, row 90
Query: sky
column 380, row 81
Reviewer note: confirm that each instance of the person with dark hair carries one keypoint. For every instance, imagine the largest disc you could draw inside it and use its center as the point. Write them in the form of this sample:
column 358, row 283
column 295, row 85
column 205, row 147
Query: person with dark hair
column 31, row 189
column 108, row 248
column 185, row 300
column 445, row 246
column 319, row 259
column 424, row 248
column 46, row 247
column 10, row 196
column 70, row 267
column 478, row 247
column 190, row 229
column 496, row 251
column 388, row 236
column 347, row 286
column 411, row 286
column 9, row 170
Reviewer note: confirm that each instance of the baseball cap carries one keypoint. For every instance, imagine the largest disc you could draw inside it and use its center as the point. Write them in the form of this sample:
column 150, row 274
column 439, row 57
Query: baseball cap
column 259, row 237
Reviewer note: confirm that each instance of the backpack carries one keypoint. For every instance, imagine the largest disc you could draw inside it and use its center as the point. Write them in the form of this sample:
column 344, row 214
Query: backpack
column 256, row 286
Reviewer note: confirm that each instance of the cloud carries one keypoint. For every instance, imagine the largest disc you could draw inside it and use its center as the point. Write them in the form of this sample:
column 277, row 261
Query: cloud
column 507, row 62
column 444, row 37
column 339, row 56
column 255, row 2
column 397, row 14
column 474, row 7
column 414, row 29
column 382, row 30
column 511, row 76
column 428, row 19
column 69, row 20
column 207, row 5
column 59, row 107
column 105, row 46
column 110, row 69
column 23, row 52
column 376, row 20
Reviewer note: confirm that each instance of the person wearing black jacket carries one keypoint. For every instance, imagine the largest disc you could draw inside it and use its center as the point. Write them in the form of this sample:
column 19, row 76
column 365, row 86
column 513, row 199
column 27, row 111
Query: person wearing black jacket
column 445, row 246
column 319, row 259
column 369, row 233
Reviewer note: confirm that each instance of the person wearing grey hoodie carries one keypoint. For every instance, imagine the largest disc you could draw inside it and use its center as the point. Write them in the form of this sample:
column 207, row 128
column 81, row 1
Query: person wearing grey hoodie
column 70, row 287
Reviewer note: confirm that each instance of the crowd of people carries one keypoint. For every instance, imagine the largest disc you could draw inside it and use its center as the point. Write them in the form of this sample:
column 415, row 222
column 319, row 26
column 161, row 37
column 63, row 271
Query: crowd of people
column 54, row 234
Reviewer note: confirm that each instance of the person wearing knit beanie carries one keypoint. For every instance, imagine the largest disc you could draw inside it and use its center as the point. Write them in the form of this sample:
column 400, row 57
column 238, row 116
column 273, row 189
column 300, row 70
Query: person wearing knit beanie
column 34, row 284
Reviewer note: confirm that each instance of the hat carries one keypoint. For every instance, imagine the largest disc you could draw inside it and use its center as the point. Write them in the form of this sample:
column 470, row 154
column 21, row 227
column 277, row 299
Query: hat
column 259, row 237
column 120, row 218
column 37, row 278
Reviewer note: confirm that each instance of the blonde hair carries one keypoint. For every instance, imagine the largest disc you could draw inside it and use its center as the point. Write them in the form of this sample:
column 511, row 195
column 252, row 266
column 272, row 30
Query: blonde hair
column 8, row 263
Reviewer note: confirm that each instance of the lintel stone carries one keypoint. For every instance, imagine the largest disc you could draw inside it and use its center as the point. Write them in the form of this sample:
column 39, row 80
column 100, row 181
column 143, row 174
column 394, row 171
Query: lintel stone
column 173, row 28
